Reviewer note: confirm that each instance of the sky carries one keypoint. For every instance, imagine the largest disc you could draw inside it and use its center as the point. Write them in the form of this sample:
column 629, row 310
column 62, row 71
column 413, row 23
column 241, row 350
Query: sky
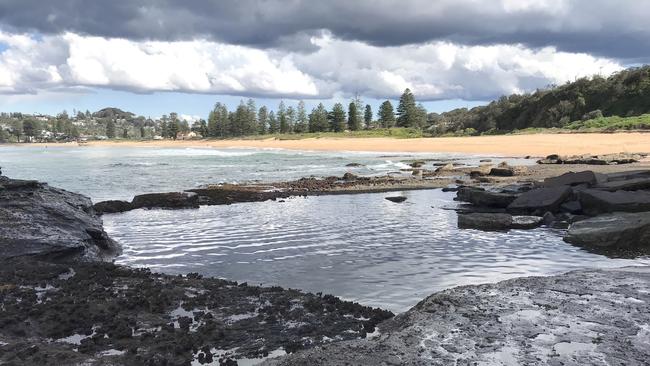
column 153, row 57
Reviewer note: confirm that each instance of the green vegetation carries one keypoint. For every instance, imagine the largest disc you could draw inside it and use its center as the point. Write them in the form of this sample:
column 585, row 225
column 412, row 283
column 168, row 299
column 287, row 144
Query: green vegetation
column 618, row 102
column 612, row 123
column 625, row 94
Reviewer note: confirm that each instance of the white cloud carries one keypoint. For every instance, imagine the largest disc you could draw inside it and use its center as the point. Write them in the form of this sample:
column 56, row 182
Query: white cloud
column 435, row 70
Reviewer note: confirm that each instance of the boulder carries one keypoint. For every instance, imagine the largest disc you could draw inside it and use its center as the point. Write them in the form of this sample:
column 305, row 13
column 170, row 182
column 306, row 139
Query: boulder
column 526, row 222
column 481, row 197
column 349, row 176
column 37, row 220
column 572, row 207
column 633, row 184
column 396, row 199
column 445, row 168
column 485, row 221
column 630, row 174
column 417, row 164
column 503, row 170
column 112, row 206
column 354, row 165
column 573, row 179
column 169, row 200
column 540, row 200
column 615, row 230
column 607, row 159
column 595, row 201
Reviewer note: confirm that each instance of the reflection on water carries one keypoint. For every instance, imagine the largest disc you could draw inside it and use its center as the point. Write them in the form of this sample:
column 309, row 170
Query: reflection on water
column 359, row 247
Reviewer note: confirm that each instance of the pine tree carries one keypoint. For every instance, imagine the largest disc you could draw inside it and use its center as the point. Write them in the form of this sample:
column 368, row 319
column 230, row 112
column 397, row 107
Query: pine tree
column 367, row 116
column 273, row 123
column 386, row 115
column 407, row 110
column 301, row 119
column 318, row 119
column 110, row 129
column 337, row 120
column 262, row 120
column 354, row 122
column 251, row 126
column 282, row 118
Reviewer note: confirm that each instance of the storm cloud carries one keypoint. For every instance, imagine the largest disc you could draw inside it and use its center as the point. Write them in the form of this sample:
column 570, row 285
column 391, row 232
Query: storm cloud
column 445, row 49
column 614, row 29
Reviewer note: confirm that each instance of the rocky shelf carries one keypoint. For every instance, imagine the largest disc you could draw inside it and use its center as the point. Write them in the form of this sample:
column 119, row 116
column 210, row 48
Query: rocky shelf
column 588, row 317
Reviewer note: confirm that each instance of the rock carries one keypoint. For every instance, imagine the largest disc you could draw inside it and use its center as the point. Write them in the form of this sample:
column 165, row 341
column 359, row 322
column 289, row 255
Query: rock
column 595, row 202
column 572, row 207
column 112, row 206
column 619, row 230
column 572, row 179
column 481, row 197
column 626, row 175
column 633, row 184
column 485, row 221
column 354, row 165
column 450, row 189
column 485, row 161
column 526, row 222
column 396, row 199
column 417, row 164
column 445, row 168
column 583, row 317
column 169, row 200
column 540, row 200
column 502, row 170
column 607, row 159
column 548, row 218
column 349, row 176
column 50, row 223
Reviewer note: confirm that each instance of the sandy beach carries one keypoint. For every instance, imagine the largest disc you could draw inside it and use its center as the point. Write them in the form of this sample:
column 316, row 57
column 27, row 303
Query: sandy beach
column 509, row 145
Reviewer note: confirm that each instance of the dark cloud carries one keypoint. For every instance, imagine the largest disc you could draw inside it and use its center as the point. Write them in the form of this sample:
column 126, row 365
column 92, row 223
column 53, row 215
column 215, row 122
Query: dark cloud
column 617, row 29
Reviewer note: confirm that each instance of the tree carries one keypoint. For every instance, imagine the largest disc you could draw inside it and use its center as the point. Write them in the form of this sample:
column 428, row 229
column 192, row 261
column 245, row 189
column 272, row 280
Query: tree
column 407, row 110
column 262, row 120
column 142, row 132
column 367, row 116
column 250, row 126
column 17, row 128
column 125, row 133
column 282, row 118
column 302, row 121
column 218, row 125
column 386, row 115
column 318, row 119
column 174, row 125
column 337, row 118
column 274, row 127
column 354, row 122
column 31, row 127
column 110, row 129
column 291, row 119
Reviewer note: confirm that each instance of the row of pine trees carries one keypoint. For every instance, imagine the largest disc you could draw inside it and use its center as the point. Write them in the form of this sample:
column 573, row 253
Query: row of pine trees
column 247, row 119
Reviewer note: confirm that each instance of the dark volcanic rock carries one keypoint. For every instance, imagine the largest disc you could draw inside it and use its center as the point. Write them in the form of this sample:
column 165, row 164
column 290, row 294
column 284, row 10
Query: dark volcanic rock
column 124, row 316
column 633, row 184
column 587, row 317
column 573, row 179
column 170, row 200
column 502, row 171
column 51, row 223
column 396, row 199
column 481, row 197
column 595, row 202
column 485, row 221
column 607, row 159
column 541, row 200
column 618, row 230
column 497, row 221
column 112, row 206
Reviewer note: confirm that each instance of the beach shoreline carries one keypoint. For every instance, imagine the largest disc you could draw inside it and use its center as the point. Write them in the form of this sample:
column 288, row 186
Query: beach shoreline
column 507, row 145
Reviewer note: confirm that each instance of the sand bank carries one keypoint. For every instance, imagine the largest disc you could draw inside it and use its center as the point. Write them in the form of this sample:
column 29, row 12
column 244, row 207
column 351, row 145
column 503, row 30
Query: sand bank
column 509, row 145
